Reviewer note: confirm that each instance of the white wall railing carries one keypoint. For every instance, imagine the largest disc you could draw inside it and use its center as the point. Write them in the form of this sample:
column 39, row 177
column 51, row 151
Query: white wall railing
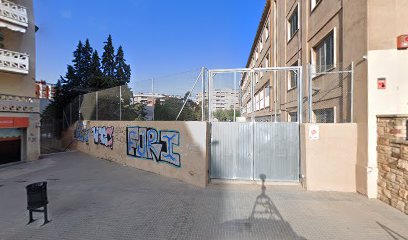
column 13, row 13
column 14, row 61
column 11, row 103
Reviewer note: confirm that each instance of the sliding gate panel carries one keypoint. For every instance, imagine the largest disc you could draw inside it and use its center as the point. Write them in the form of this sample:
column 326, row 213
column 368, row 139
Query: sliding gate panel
column 231, row 150
column 247, row 150
column 276, row 151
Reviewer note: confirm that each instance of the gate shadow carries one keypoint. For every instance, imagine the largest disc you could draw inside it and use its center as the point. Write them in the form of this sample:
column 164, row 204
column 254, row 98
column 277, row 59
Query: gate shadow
column 265, row 220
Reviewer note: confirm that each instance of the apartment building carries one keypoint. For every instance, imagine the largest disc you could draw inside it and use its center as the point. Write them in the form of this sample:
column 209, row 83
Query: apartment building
column 44, row 90
column 19, row 107
column 222, row 99
column 333, row 36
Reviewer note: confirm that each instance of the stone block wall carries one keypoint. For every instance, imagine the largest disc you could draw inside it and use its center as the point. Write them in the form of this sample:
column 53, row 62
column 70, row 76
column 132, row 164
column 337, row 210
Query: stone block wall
column 392, row 158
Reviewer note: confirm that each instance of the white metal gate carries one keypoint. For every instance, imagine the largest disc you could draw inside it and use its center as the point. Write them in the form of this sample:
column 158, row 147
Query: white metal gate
column 247, row 150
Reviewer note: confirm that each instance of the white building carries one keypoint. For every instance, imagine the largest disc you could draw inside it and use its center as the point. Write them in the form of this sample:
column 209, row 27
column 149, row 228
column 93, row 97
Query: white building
column 224, row 99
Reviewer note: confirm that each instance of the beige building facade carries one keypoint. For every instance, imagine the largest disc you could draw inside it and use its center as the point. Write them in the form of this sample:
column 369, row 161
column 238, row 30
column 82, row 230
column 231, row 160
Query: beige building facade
column 19, row 107
column 332, row 35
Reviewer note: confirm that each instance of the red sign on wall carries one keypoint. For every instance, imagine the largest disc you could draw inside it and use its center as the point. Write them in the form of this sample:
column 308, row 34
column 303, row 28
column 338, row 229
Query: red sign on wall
column 14, row 122
column 381, row 83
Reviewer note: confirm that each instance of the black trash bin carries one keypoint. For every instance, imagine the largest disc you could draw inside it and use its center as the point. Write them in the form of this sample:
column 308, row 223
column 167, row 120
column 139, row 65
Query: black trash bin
column 36, row 199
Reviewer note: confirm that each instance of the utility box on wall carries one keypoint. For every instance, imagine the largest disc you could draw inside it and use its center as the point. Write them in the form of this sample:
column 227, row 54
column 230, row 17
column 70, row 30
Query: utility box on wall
column 402, row 42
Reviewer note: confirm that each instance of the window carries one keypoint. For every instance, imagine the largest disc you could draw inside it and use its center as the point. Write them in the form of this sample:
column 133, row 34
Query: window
column 292, row 81
column 267, row 29
column 324, row 54
column 293, row 117
column 267, row 93
column 261, row 99
column 257, row 102
column 325, row 115
column 267, row 60
column 256, row 54
column 293, row 23
column 314, row 3
column 261, row 43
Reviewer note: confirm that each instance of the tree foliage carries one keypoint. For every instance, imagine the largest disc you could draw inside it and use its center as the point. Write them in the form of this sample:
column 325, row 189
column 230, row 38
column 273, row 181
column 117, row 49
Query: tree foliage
column 226, row 115
column 89, row 73
column 168, row 110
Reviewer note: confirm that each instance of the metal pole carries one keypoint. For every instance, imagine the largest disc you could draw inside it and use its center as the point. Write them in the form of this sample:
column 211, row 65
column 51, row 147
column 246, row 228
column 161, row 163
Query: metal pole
column 252, row 96
column 235, row 87
column 188, row 96
column 96, row 104
column 120, row 103
column 202, row 93
column 210, row 78
column 79, row 107
column 310, row 84
column 153, row 98
column 352, row 94
column 300, row 86
column 275, row 95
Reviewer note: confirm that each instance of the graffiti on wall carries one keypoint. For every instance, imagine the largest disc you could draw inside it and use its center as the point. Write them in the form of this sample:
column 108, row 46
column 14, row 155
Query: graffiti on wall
column 152, row 144
column 81, row 133
column 103, row 136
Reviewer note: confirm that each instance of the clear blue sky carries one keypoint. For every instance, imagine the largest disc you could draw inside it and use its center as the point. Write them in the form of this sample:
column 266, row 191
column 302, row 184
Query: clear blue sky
column 159, row 37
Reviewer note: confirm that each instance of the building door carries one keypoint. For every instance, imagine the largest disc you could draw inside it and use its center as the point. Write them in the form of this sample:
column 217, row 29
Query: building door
column 10, row 145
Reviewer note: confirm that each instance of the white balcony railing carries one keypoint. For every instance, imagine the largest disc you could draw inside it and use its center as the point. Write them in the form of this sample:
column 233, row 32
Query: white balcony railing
column 13, row 13
column 11, row 103
column 14, row 62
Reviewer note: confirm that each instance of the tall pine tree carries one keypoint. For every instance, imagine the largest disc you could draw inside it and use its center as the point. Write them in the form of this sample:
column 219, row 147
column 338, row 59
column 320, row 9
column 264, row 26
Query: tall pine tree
column 96, row 76
column 122, row 71
column 85, row 66
column 108, row 62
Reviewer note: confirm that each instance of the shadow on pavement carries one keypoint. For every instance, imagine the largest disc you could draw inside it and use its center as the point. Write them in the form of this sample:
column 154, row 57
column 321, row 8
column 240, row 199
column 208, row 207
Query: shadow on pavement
column 265, row 219
column 392, row 233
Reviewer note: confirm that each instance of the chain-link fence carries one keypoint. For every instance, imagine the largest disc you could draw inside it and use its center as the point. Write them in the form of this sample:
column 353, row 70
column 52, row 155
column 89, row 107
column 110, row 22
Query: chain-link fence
column 170, row 97
column 331, row 88
column 114, row 104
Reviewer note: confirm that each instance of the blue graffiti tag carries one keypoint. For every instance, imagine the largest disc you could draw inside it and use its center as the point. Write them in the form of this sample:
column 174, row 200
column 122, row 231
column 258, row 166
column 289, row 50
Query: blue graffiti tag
column 145, row 143
column 81, row 133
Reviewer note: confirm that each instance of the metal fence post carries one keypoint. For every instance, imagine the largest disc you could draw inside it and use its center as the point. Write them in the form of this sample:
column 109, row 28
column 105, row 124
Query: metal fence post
column 153, row 99
column 79, row 108
column 352, row 94
column 202, row 93
column 300, row 91
column 235, row 87
column 210, row 78
column 120, row 103
column 310, row 84
column 252, row 96
column 96, row 105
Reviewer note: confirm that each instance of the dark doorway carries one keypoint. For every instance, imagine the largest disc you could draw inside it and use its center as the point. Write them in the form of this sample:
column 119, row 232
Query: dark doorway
column 10, row 150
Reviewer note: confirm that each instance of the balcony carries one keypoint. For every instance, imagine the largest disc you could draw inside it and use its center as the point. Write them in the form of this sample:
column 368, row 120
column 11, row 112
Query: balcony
column 13, row 16
column 19, row 104
column 13, row 62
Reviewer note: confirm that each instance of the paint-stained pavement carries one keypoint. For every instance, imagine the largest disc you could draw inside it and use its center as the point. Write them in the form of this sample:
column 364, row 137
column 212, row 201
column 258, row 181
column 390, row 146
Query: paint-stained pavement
column 96, row 199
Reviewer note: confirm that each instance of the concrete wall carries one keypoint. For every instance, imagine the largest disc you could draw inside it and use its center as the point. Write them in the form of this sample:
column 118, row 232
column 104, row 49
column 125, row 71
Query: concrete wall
column 392, row 148
column 191, row 167
column 329, row 163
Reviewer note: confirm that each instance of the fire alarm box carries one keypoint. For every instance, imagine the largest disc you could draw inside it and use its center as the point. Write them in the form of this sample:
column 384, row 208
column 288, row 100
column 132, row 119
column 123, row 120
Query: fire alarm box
column 402, row 42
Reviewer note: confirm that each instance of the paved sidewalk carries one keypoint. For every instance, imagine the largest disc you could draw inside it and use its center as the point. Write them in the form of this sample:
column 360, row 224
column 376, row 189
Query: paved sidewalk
column 96, row 199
